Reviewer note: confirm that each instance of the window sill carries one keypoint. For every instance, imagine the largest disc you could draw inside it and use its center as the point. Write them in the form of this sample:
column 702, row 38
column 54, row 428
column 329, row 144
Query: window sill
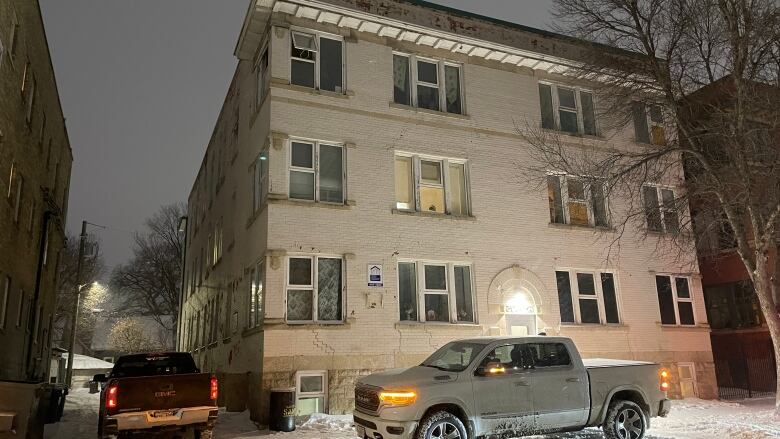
column 251, row 331
column 282, row 324
column 608, row 326
column 397, row 211
column 579, row 227
column 447, row 325
column 698, row 327
column 595, row 138
column 348, row 204
column 427, row 111
column 283, row 84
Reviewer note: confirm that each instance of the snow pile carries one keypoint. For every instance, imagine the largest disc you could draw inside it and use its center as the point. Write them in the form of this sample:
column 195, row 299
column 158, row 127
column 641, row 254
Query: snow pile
column 85, row 362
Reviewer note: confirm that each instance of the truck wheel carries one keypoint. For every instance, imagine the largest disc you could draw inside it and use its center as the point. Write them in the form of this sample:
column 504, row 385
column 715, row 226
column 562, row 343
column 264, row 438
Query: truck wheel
column 625, row 420
column 441, row 425
column 203, row 434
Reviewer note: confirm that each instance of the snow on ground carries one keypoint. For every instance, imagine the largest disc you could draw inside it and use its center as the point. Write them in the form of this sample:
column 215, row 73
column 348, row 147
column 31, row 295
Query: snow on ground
column 85, row 362
column 689, row 419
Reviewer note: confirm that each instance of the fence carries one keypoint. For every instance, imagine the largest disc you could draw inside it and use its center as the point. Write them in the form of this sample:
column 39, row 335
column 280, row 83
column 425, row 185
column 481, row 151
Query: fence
column 744, row 364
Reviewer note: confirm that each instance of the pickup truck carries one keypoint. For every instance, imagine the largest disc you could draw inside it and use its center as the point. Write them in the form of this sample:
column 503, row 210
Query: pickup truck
column 510, row 387
column 146, row 394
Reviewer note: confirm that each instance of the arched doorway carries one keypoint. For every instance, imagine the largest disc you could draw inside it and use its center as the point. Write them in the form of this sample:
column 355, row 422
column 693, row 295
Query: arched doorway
column 520, row 313
column 515, row 294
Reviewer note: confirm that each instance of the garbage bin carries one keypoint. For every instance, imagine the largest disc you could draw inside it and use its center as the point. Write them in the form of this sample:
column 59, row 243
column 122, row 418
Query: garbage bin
column 94, row 387
column 282, row 408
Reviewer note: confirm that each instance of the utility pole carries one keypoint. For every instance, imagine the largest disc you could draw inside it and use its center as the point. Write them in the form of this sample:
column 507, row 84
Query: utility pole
column 75, row 313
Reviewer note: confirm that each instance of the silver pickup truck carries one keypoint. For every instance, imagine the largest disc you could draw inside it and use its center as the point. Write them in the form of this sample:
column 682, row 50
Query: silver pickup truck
column 510, row 387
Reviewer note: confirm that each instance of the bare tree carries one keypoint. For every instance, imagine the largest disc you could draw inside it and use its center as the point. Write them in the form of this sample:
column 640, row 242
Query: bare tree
column 149, row 283
column 128, row 336
column 91, row 271
column 698, row 80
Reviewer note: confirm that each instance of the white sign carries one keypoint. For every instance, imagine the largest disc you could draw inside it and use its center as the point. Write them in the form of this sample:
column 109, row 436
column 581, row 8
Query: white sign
column 375, row 275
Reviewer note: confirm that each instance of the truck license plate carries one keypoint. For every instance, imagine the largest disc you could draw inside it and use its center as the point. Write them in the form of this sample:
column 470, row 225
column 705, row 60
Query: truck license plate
column 163, row 413
column 361, row 431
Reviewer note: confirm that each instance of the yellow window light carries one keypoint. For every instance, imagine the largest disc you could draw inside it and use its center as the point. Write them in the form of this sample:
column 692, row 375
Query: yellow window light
column 398, row 397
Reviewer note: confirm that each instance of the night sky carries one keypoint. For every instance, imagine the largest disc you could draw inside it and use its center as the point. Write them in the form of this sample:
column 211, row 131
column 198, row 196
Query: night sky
column 141, row 84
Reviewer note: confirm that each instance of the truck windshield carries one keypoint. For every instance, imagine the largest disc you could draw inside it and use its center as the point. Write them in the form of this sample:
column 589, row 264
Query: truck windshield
column 153, row 364
column 454, row 357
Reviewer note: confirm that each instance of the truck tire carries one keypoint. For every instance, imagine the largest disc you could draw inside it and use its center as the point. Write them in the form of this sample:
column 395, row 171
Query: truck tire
column 204, row 434
column 440, row 425
column 625, row 420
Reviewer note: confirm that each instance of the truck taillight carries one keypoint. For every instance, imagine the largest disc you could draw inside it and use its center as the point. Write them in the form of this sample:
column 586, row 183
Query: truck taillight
column 663, row 376
column 112, row 394
column 214, row 388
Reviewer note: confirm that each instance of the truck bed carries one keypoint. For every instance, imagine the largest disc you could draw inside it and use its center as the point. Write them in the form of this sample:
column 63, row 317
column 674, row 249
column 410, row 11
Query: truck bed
column 593, row 363
column 607, row 374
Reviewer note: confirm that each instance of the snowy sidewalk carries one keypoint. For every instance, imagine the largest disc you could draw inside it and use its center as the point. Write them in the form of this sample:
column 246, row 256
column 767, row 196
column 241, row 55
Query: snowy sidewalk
column 689, row 419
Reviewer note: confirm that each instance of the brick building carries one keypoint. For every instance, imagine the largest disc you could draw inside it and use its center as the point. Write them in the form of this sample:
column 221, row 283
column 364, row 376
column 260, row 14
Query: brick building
column 35, row 165
column 359, row 205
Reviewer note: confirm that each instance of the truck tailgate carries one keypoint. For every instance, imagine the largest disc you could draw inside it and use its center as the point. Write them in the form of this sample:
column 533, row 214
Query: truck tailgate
column 162, row 392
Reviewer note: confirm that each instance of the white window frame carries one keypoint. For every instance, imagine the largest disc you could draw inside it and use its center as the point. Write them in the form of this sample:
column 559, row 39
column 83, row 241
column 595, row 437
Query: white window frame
column 564, row 183
column 313, row 287
column 574, row 288
column 445, row 166
column 449, row 291
column 317, row 59
column 676, row 299
column 440, row 76
column 310, row 373
column 659, row 188
column 580, row 116
column 315, row 169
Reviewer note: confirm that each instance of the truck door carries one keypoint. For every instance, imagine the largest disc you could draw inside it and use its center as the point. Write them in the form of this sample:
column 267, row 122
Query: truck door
column 560, row 388
column 502, row 393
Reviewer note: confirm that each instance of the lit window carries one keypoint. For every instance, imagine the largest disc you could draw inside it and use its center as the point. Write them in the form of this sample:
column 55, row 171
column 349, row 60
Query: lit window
column 567, row 109
column 587, row 297
column 574, row 200
column 315, row 289
column 317, row 171
column 425, row 83
column 317, row 61
column 661, row 209
column 675, row 301
column 435, row 292
column 431, row 185
column 311, row 392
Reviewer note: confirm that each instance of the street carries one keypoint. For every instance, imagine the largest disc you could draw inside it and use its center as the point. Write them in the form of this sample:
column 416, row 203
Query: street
column 689, row 419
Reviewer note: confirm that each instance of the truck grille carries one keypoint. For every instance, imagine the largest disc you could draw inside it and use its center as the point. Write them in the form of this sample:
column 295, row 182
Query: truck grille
column 366, row 399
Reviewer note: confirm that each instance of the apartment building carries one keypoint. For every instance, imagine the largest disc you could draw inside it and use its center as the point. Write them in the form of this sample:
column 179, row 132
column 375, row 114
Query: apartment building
column 35, row 165
column 359, row 205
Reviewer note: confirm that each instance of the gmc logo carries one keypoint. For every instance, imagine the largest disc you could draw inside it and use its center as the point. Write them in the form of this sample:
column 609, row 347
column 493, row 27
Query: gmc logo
column 164, row 394
column 363, row 398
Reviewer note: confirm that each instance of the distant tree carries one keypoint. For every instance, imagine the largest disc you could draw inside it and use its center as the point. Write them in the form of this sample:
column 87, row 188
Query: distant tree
column 148, row 284
column 698, row 80
column 92, row 269
column 128, row 336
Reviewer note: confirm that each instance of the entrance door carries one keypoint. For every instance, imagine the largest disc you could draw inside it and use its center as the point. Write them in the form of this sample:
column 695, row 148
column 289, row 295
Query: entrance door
column 520, row 325
column 687, row 374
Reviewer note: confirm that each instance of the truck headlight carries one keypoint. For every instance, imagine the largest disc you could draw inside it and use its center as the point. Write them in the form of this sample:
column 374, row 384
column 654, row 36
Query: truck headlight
column 398, row 398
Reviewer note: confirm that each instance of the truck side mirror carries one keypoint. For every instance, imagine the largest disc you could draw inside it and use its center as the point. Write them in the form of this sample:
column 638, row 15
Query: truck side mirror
column 491, row 369
column 99, row 378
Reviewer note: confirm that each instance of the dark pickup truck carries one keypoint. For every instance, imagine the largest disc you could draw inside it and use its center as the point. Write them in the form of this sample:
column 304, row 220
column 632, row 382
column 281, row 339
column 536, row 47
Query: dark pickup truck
column 145, row 394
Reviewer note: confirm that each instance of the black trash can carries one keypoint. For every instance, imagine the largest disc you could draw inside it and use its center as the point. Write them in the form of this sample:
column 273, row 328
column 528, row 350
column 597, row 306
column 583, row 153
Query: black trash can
column 282, row 407
column 52, row 402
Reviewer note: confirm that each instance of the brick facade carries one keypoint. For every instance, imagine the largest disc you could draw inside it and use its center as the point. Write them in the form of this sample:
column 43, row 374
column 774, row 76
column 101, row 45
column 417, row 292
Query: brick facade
column 507, row 239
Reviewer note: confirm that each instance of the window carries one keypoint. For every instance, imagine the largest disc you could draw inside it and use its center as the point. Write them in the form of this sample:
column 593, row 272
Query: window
column 567, row 109
column 216, row 243
column 263, row 78
column 20, row 309
column 431, row 185
column 6, row 291
column 426, row 83
column 14, row 35
column 435, row 292
column 317, row 61
column 256, row 290
column 317, row 171
column 660, row 209
column 311, row 392
column 587, row 297
column 649, row 123
column 577, row 201
column 674, row 300
column 315, row 289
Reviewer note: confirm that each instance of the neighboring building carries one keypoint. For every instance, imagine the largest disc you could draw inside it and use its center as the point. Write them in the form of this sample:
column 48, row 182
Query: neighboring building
column 84, row 369
column 35, row 165
column 360, row 204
